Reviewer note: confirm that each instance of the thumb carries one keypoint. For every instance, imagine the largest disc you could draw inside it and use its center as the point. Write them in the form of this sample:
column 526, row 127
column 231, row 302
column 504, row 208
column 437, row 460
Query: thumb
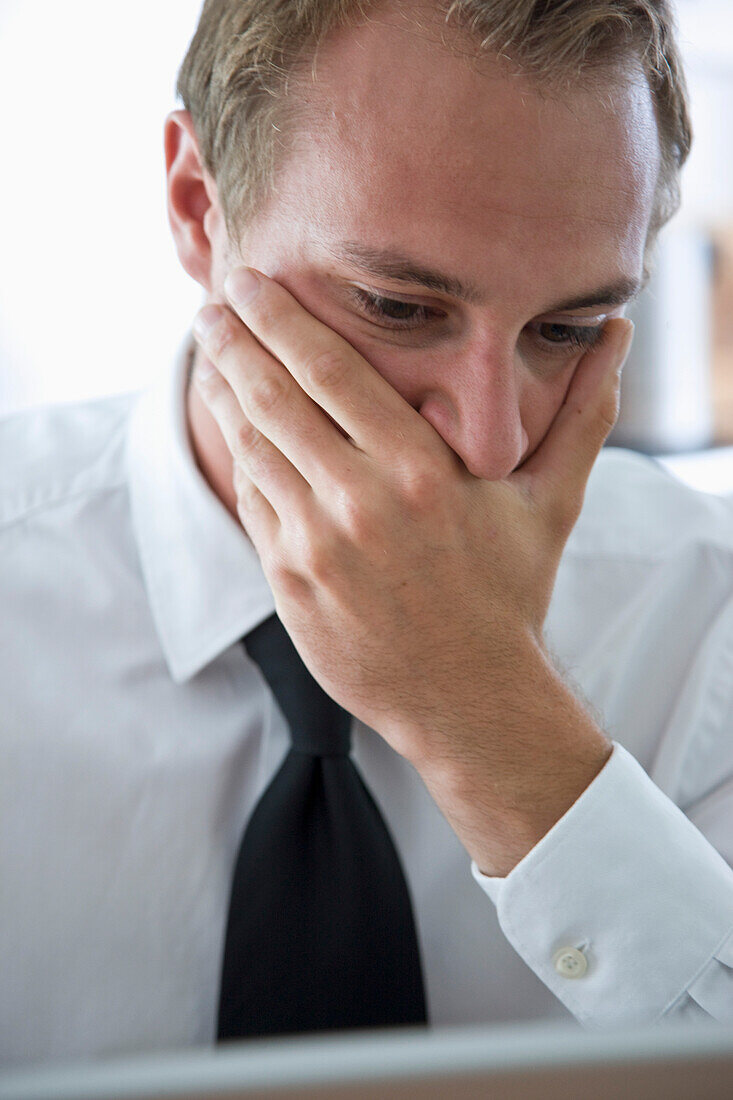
column 559, row 469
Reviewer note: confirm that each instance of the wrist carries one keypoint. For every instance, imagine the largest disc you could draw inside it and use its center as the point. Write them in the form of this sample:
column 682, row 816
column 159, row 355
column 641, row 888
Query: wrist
column 504, row 784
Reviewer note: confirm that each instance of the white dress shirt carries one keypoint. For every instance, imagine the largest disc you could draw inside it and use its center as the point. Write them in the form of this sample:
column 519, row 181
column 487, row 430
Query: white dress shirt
column 136, row 736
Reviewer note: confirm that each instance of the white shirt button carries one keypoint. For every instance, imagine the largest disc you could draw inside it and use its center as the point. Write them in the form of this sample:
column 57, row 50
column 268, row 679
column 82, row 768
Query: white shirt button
column 570, row 963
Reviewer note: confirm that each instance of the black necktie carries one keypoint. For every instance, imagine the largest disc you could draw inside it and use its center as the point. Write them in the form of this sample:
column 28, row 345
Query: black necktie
column 320, row 932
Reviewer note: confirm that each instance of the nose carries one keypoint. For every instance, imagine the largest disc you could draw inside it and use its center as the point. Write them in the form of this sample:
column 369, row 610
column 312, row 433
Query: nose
column 474, row 403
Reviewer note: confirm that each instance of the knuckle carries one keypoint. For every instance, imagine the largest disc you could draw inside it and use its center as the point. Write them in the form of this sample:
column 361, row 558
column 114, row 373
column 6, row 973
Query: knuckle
column 285, row 579
column 266, row 395
column 278, row 571
column 325, row 369
column 268, row 315
column 247, row 493
column 209, row 383
column 220, row 338
column 293, row 587
column 353, row 518
column 319, row 560
column 423, row 486
column 247, row 441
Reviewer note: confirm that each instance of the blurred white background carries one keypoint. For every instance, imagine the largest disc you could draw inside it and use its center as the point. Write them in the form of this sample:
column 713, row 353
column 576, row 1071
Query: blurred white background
column 85, row 87
column 85, row 238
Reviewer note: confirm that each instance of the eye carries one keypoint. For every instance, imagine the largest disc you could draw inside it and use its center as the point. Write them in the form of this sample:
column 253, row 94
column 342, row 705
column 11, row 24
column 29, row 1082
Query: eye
column 404, row 315
column 579, row 337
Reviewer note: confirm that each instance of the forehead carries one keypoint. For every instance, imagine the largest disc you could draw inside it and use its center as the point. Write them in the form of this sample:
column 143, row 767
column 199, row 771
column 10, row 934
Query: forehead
column 408, row 138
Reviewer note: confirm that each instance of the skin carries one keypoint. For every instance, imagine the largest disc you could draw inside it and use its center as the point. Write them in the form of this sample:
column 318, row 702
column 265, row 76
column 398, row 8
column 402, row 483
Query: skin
column 410, row 493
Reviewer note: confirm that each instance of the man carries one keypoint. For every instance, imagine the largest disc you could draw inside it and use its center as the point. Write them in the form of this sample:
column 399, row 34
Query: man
column 401, row 410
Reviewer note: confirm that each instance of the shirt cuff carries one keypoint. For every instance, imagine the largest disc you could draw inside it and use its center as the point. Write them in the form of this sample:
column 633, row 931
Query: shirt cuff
column 621, row 905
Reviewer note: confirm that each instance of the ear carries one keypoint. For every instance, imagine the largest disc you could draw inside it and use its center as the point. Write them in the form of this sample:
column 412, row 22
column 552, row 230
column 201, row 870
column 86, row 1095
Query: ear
column 194, row 213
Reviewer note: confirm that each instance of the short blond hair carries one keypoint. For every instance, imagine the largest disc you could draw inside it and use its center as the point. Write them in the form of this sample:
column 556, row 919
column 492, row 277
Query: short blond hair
column 235, row 77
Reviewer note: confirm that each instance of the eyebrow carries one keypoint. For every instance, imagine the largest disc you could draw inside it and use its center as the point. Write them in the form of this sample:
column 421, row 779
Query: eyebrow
column 396, row 266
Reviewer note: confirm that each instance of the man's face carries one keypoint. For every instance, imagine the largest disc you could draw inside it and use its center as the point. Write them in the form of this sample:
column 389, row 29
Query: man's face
column 532, row 202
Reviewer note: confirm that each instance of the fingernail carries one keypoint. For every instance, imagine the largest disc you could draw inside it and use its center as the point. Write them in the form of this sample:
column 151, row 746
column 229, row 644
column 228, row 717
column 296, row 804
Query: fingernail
column 205, row 320
column 241, row 285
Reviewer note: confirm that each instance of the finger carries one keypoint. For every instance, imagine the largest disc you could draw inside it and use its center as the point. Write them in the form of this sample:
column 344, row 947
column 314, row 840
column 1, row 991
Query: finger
column 269, row 470
column 328, row 368
column 255, row 512
column 561, row 466
column 271, row 398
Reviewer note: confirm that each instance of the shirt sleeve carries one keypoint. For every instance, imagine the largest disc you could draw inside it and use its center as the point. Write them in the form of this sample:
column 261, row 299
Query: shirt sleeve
column 624, row 909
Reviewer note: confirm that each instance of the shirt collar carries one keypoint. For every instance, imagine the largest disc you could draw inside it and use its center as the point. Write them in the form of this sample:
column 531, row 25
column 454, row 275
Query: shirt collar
column 203, row 577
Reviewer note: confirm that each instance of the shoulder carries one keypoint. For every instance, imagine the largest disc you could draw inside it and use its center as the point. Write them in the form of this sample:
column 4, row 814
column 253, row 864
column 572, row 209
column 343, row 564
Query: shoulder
column 51, row 454
column 635, row 508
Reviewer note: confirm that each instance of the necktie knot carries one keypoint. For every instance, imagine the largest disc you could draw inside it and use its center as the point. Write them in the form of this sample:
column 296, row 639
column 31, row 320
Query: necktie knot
column 318, row 725
column 334, row 740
